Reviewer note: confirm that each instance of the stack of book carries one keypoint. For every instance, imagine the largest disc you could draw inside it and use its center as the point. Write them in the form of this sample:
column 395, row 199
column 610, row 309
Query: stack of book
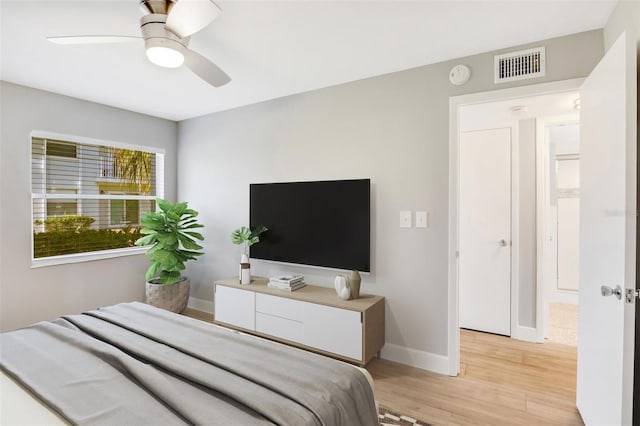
column 287, row 283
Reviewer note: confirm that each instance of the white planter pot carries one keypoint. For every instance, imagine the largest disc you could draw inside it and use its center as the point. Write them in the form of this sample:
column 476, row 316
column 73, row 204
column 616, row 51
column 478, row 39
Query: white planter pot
column 172, row 297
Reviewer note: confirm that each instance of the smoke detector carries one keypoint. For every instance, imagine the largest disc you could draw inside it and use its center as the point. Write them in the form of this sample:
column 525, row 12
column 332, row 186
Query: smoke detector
column 459, row 75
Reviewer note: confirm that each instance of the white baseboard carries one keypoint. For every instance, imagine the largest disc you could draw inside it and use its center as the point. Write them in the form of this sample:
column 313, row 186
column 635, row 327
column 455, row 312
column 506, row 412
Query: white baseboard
column 528, row 334
column 201, row 304
column 416, row 358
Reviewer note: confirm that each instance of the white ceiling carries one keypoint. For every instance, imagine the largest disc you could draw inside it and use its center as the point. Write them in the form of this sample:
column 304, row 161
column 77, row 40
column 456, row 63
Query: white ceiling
column 270, row 48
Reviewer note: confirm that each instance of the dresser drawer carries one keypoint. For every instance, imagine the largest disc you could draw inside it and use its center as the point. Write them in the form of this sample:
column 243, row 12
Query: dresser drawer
column 280, row 327
column 280, row 307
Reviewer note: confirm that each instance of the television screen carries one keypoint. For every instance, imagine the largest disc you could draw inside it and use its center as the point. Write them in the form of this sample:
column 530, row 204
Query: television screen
column 323, row 223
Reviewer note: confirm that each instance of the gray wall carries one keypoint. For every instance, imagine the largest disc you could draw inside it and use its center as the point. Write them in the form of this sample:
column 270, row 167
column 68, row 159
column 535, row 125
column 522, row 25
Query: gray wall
column 29, row 295
column 527, row 223
column 392, row 129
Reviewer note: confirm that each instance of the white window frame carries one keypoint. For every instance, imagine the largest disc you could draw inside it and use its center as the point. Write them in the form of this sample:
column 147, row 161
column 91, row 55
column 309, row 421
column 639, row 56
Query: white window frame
column 102, row 254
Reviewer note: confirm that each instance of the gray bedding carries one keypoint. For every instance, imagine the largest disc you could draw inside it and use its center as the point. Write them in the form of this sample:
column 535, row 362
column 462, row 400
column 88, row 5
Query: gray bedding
column 132, row 364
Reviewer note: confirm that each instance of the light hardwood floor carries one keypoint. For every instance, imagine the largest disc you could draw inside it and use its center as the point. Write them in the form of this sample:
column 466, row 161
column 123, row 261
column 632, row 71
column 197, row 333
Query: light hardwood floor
column 502, row 382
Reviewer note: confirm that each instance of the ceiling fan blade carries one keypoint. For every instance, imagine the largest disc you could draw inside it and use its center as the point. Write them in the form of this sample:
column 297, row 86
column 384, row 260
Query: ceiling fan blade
column 190, row 16
column 205, row 69
column 93, row 39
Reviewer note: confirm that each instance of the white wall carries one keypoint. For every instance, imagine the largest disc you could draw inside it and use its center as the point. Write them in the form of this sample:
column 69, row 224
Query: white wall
column 29, row 295
column 392, row 129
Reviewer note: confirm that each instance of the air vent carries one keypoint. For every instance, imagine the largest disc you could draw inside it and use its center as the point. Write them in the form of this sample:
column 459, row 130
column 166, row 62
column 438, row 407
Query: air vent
column 520, row 65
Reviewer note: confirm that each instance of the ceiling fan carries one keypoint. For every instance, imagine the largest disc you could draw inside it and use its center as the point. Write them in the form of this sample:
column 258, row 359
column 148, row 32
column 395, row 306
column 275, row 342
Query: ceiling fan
column 167, row 26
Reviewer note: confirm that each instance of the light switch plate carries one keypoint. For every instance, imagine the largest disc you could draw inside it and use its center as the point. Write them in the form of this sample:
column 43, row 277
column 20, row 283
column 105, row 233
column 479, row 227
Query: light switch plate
column 422, row 220
column 405, row 219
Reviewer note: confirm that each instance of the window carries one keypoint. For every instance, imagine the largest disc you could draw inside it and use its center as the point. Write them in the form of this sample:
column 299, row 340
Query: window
column 125, row 212
column 88, row 197
column 62, row 149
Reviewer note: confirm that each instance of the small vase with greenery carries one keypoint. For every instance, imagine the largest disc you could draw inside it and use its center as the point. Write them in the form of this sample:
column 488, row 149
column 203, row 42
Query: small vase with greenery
column 171, row 233
column 246, row 236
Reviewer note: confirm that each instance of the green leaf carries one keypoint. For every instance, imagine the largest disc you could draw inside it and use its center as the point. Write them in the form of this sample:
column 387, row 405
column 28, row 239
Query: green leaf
column 195, row 225
column 164, row 205
column 154, row 223
column 195, row 235
column 169, row 277
column 188, row 243
column 189, row 255
column 259, row 230
column 240, row 235
column 188, row 222
column 165, row 257
column 146, row 240
column 154, row 249
column 173, row 216
column 179, row 208
column 167, row 239
column 179, row 266
column 151, row 272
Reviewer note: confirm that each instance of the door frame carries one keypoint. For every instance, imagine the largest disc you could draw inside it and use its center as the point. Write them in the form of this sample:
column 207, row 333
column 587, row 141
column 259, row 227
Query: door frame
column 455, row 103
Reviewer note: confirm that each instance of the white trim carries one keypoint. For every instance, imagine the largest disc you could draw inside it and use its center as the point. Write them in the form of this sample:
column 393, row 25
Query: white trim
column 453, row 335
column 515, row 227
column 91, row 141
column 86, row 257
column 203, row 305
column 416, row 358
column 528, row 334
column 455, row 102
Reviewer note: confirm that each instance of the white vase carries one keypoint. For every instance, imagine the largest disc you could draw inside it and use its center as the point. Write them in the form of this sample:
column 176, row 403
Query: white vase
column 244, row 273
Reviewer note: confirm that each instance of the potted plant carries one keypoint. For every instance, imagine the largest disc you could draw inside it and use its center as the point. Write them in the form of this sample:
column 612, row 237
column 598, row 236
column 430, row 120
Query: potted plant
column 246, row 236
column 170, row 231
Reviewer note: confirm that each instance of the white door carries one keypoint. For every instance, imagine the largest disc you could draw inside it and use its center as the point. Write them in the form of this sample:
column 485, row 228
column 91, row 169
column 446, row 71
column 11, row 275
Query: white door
column 485, row 231
column 603, row 345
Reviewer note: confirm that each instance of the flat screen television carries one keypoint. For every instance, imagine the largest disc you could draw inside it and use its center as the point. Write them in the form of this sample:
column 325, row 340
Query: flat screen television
column 321, row 223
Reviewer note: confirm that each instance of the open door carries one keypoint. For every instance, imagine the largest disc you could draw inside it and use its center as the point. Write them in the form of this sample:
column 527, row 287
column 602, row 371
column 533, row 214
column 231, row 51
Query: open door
column 605, row 354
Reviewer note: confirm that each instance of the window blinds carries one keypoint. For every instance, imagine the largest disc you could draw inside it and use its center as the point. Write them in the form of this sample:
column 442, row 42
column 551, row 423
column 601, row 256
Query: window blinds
column 88, row 198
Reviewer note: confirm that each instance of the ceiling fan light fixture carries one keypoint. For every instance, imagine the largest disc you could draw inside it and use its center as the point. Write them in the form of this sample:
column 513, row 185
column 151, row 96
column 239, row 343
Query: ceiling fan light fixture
column 164, row 52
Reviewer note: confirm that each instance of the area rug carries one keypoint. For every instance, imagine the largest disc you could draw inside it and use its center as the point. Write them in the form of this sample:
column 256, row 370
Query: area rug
column 391, row 418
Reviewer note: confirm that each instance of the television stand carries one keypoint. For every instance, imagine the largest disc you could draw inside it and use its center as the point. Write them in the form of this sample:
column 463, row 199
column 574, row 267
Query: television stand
column 312, row 318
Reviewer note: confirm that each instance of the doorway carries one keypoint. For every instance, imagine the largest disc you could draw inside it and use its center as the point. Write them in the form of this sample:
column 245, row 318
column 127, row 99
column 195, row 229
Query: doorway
column 518, row 109
column 558, row 210
column 607, row 233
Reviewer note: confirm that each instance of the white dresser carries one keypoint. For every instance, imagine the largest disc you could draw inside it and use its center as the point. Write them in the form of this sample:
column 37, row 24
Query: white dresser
column 312, row 318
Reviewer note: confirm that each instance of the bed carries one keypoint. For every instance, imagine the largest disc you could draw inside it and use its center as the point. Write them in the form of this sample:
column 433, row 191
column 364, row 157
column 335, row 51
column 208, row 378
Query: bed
column 135, row 364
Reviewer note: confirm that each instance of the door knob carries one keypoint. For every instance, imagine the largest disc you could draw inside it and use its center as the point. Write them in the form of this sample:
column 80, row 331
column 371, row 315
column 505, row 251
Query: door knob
column 605, row 290
column 502, row 243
